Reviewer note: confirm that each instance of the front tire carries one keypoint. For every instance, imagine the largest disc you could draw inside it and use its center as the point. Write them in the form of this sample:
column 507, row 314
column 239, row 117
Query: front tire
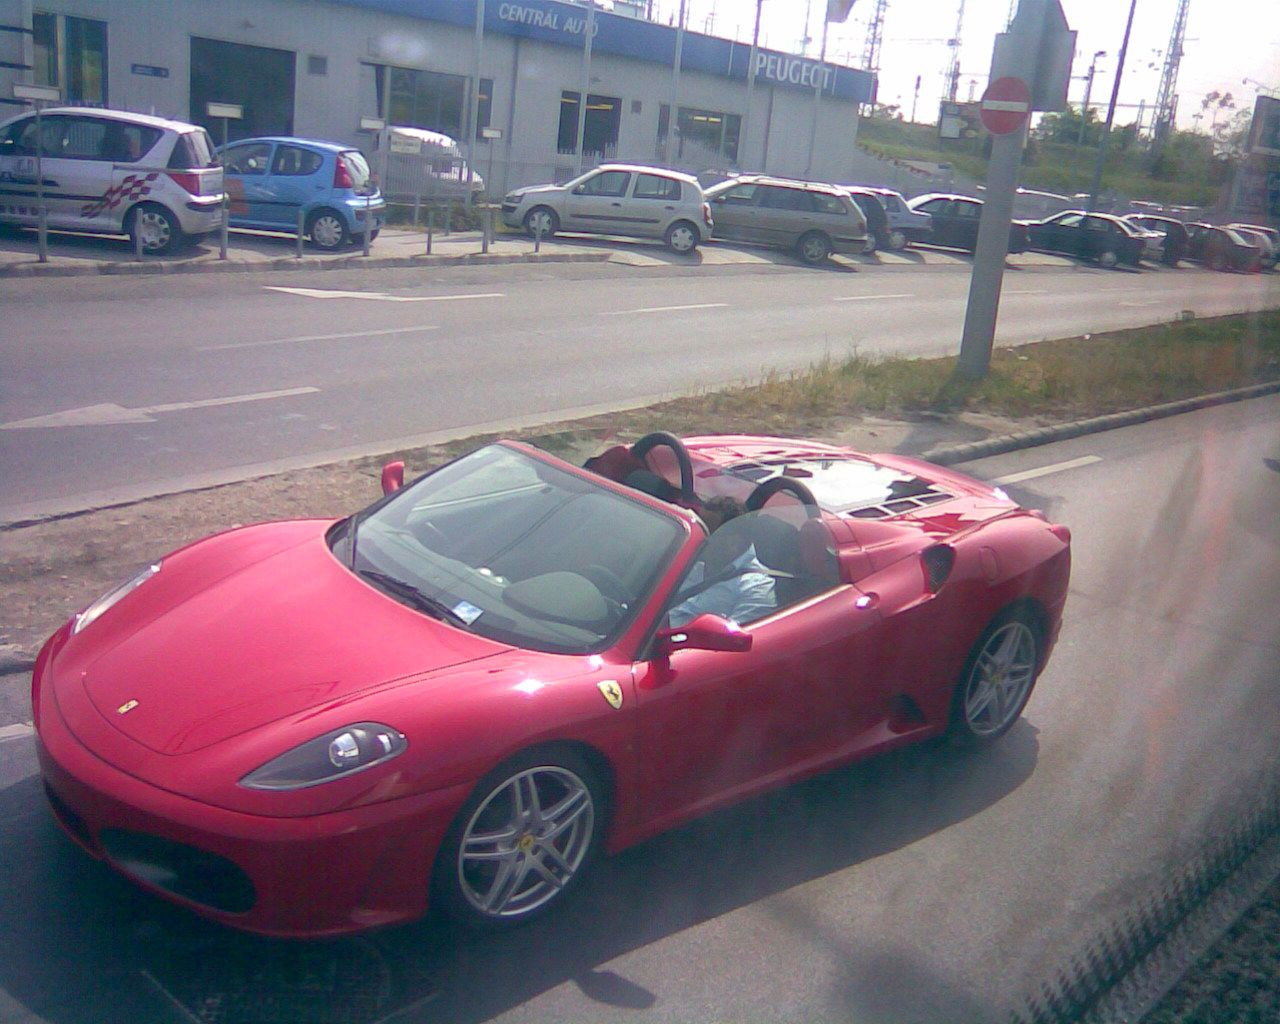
column 541, row 220
column 682, row 237
column 997, row 680
column 327, row 230
column 158, row 228
column 813, row 247
column 522, row 841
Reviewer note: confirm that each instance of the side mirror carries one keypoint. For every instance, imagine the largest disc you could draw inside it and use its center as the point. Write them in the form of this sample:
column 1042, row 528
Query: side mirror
column 705, row 633
column 392, row 477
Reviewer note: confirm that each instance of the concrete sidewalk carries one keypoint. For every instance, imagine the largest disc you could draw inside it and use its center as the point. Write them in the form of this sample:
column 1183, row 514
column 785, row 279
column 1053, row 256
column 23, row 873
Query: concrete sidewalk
column 74, row 255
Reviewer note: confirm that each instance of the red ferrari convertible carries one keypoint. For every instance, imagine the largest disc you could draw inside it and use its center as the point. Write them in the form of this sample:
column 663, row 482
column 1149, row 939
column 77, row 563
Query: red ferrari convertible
column 462, row 694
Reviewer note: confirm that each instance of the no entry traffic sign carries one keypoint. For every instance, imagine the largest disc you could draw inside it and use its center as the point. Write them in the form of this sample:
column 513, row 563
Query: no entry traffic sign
column 1005, row 105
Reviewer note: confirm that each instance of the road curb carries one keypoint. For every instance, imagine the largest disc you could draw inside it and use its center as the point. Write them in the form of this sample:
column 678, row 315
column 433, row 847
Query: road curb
column 950, row 454
column 14, row 659
column 127, row 269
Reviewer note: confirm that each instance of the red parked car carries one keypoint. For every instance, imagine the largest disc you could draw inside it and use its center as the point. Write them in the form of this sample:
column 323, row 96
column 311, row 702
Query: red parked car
column 462, row 694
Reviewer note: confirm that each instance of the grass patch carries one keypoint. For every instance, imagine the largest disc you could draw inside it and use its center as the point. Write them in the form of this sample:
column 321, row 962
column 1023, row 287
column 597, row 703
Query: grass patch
column 1047, row 382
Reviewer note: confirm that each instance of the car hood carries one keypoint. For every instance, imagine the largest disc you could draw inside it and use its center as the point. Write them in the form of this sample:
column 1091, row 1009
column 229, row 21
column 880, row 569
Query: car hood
column 536, row 190
column 245, row 629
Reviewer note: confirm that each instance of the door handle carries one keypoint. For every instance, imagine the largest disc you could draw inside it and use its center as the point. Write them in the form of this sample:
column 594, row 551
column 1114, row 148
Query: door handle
column 616, row 204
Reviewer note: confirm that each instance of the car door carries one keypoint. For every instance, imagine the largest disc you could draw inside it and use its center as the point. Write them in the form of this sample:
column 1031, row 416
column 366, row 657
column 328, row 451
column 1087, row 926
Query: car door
column 942, row 230
column 62, row 198
column 655, row 198
column 785, row 214
column 599, row 204
column 1059, row 234
column 967, row 212
column 248, row 183
column 734, row 213
column 715, row 723
column 18, row 172
column 292, row 183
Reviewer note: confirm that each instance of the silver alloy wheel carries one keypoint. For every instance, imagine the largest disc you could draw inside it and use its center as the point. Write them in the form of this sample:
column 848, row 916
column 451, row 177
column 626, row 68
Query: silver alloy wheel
column 154, row 227
column 525, row 842
column 897, row 240
column 327, row 231
column 1000, row 679
column 1108, row 259
column 682, row 238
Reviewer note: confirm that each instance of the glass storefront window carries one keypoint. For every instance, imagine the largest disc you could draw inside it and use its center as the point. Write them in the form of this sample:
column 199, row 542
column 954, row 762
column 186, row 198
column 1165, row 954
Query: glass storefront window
column 71, row 53
column 599, row 130
column 432, row 100
column 701, row 134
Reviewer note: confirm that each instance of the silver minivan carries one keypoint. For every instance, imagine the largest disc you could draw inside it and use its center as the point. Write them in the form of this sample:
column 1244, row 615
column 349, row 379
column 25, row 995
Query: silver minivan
column 616, row 199
column 111, row 172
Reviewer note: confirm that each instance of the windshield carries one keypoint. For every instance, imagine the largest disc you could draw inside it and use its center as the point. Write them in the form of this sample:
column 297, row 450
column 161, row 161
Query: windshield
column 516, row 550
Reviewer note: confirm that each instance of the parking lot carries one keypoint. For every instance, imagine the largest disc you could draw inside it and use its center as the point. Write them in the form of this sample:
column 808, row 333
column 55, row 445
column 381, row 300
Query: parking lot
column 73, row 254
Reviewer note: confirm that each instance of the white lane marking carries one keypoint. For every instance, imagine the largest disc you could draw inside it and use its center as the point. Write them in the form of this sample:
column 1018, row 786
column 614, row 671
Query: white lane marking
column 318, row 337
column 16, row 731
column 1140, row 303
column 109, row 413
column 1057, row 467
column 330, row 293
column 868, row 298
column 666, row 309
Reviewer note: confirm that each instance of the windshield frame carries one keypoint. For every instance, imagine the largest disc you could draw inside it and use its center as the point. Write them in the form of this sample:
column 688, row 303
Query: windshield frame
column 660, row 559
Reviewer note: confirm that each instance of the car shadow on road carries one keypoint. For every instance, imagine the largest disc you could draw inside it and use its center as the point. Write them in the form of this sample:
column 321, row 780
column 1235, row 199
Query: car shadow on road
column 82, row 945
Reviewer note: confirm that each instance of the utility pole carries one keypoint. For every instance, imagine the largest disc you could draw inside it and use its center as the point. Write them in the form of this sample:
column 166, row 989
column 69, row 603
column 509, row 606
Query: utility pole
column 1111, row 113
column 751, row 85
column 817, row 96
column 473, row 115
column 1166, row 109
column 953, row 72
column 673, row 122
column 875, row 36
column 915, row 99
column 586, row 87
column 1088, row 89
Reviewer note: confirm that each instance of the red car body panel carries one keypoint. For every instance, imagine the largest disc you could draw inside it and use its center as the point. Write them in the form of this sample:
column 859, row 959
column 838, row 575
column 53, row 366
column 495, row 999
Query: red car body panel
column 250, row 643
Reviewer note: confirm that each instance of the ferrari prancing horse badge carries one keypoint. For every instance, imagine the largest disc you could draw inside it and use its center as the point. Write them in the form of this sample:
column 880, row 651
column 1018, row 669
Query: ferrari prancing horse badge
column 612, row 693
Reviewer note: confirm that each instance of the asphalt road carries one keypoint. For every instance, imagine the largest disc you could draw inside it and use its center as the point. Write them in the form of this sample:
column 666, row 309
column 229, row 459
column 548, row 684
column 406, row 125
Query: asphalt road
column 116, row 388
column 923, row 887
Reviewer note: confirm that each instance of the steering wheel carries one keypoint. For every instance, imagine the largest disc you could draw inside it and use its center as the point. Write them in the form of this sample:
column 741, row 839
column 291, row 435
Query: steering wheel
column 776, row 484
column 647, row 443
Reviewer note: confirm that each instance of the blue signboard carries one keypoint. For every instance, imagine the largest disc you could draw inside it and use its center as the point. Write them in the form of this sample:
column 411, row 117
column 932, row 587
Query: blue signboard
column 150, row 70
column 553, row 22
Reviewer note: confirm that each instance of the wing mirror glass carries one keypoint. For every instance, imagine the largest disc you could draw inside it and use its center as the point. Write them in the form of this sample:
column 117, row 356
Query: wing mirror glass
column 392, row 477
column 707, row 632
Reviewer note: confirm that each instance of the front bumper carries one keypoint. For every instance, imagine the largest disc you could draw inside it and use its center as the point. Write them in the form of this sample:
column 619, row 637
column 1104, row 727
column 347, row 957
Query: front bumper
column 302, row 877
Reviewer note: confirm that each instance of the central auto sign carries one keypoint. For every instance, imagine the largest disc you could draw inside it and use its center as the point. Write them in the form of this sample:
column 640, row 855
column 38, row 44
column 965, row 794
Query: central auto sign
column 565, row 24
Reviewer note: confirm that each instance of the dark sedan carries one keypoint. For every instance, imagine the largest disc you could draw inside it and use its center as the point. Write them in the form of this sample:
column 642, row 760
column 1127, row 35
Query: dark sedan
column 1220, row 248
column 955, row 221
column 1175, row 234
column 1097, row 237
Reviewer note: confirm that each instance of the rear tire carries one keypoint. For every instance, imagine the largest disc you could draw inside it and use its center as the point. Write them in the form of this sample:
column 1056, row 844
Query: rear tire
column 897, row 240
column 1107, row 260
column 997, row 680
column 327, row 230
column 682, row 237
column 157, row 226
column 813, row 247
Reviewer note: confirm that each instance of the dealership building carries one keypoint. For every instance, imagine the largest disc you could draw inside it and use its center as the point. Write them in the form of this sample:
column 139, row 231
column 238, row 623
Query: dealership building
column 318, row 68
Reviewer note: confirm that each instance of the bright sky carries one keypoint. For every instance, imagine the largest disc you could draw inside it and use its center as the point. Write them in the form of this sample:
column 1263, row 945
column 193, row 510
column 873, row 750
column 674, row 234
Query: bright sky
column 1226, row 42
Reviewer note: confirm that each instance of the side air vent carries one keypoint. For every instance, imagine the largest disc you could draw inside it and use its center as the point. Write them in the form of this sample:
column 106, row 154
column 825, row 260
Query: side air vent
column 938, row 561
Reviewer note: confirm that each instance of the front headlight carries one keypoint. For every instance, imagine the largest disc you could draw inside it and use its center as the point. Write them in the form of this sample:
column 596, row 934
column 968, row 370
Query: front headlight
column 112, row 597
column 334, row 755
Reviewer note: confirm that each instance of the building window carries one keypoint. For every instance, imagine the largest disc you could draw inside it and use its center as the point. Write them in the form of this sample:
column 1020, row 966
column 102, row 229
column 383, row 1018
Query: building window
column 71, row 53
column 599, row 130
column 431, row 100
column 317, row 64
column 702, row 136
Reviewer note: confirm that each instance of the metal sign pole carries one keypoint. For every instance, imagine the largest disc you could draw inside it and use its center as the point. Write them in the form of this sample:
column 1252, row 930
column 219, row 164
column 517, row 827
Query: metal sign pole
column 226, row 196
column 42, row 226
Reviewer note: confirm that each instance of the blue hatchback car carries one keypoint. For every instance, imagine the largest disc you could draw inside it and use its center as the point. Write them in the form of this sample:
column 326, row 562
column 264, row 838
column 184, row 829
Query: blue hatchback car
column 270, row 179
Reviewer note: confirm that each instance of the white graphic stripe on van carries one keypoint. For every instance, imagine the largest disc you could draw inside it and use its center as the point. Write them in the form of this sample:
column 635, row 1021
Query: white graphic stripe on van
column 132, row 186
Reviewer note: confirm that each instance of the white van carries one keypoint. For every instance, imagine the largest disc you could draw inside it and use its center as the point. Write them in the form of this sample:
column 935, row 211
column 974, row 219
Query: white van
column 111, row 172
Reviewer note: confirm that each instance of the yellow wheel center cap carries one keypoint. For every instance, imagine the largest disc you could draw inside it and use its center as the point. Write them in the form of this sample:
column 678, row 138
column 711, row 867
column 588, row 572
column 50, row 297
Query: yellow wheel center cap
column 526, row 843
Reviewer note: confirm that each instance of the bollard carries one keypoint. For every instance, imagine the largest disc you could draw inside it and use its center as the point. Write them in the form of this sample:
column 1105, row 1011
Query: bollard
column 486, row 229
column 137, row 237
column 431, row 228
column 417, row 203
column 448, row 218
column 42, row 235
column 301, row 228
column 368, row 223
column 226, row 216
column 537, row 236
